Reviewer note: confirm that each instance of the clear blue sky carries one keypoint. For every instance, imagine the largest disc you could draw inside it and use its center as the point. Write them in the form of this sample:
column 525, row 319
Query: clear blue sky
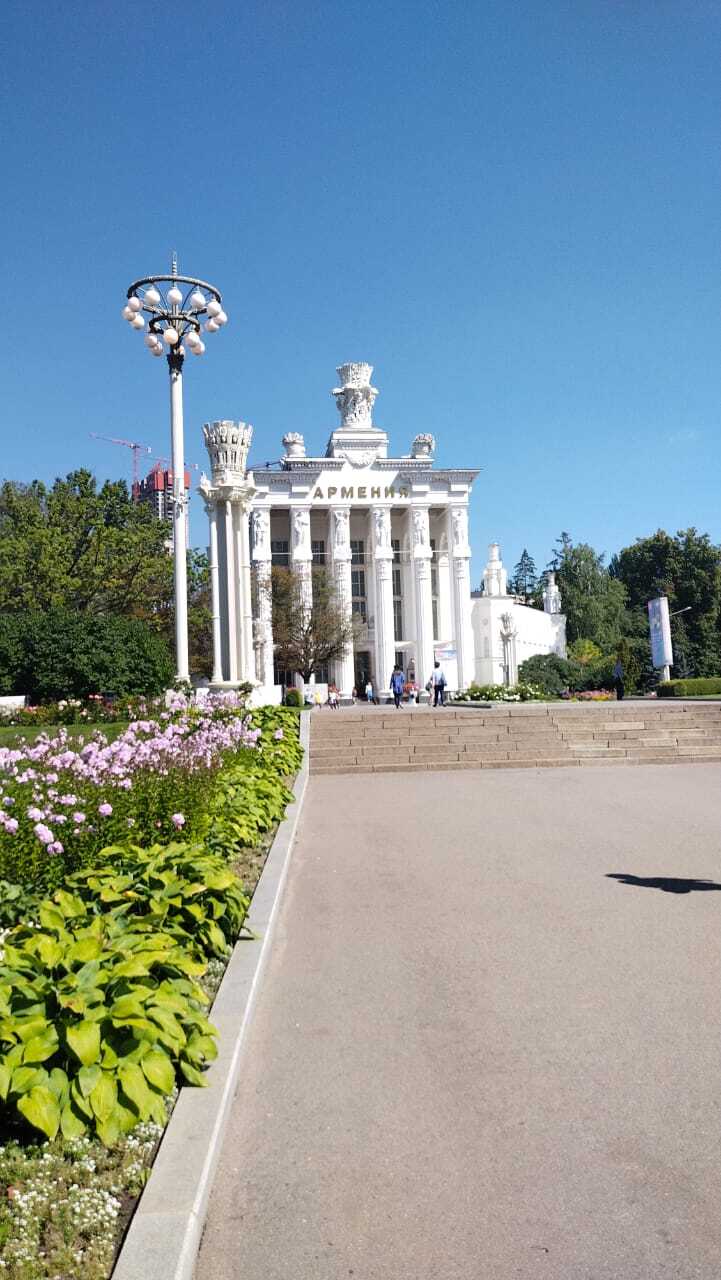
column 512, row 209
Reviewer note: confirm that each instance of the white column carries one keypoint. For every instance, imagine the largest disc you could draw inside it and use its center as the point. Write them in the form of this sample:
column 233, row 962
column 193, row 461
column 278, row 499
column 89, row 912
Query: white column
column 230, row 589
column 248, row 667
column 238, row 569
column 421, row 555
column 383, row 571
column 264, row 607
column 340, row 519
column 211, row 508
column 445, row 604
column 461, row 584
column 180, row 529
column 302, row 555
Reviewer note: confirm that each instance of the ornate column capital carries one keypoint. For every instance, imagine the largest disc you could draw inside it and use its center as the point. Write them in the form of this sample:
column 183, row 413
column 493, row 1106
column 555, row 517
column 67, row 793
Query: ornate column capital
column 355, row 396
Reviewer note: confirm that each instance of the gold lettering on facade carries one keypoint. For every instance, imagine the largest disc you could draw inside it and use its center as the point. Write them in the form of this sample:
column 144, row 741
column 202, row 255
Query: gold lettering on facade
column 375, row 492
column 318, row 493
column 362, row 491
column 402, row 493
column 332, row 491
column 390, row 491
column 346, row 493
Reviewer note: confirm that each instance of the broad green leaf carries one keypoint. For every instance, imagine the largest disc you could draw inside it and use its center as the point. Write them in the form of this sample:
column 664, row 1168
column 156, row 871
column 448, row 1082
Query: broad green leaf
column 87, row 1079
column 40, row 1108
column 4, row 1080
column 158, row 1070
column 28, row 1028
column 104, row 1096
column 51, row 951
column 108, row 1130
column 72, row 1123
column 130, row 1006
column 192, row 1075
column 201, row 1048
column 25, row 1078
column 50, row 917
column 79, row 1101
column 42, row 1047
column 135, row 1086
column 84, row 1040
column 83, row 950
column 70, row 904
column 59, row 1084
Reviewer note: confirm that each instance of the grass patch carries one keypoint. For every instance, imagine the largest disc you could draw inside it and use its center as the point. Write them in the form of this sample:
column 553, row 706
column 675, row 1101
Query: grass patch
column 20, row 735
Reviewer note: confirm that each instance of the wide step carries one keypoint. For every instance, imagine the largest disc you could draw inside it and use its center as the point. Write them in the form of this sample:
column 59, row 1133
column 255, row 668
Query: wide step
column 381, row 740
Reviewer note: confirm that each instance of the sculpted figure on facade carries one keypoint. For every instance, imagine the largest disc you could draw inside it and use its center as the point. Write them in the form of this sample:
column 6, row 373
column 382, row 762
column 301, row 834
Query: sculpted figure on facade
column 341, row 528
column 382, row 527
column 260, row 524
column 420, row 527
column 301, row 530
column 459, row 520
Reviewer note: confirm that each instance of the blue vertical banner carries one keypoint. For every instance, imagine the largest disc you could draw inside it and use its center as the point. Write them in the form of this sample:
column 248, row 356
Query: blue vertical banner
column 660, row 624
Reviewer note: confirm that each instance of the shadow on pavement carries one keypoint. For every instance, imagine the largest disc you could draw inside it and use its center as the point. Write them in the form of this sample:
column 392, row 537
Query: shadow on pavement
column 666, row 883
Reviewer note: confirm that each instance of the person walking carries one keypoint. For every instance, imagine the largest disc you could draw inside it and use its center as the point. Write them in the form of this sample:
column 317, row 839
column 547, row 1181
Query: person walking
column 398, row 683
column 438, row 685
column 618, row 679
column 369, row 691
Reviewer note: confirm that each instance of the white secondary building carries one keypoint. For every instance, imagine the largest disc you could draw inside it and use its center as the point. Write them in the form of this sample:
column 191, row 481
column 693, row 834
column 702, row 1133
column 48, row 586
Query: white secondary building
column 393, row 531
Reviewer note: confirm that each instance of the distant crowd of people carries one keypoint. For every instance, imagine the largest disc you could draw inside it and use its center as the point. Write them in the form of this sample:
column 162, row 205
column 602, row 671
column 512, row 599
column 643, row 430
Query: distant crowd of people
column 400, row 688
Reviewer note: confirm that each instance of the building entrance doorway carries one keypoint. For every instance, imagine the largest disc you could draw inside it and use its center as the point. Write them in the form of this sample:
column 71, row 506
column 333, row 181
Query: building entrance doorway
column 363, row 672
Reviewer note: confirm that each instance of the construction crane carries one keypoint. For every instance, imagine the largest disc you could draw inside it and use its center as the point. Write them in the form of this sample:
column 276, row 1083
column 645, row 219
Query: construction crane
column 137, row 450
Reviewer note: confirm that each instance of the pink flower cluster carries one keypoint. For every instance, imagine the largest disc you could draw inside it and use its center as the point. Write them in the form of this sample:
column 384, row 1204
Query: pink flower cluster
column 184, row 740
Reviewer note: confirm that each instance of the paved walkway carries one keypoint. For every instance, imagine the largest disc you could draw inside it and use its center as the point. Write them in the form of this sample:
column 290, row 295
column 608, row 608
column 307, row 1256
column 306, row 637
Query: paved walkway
column 475, row 1056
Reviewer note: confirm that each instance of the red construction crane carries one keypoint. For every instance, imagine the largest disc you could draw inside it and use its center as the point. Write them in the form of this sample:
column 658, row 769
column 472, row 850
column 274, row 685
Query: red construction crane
column 137, row 450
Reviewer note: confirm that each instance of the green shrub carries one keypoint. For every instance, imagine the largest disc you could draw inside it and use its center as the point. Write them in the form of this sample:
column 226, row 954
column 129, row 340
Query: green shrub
column 697, row 686
column 181, row 890
column 99, row 1017
column 548, row 672
column 293, row 698
column 72, row 655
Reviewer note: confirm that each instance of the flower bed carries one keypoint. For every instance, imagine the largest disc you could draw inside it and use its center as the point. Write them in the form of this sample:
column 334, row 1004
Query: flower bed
column 104, row 986
column 501, row 693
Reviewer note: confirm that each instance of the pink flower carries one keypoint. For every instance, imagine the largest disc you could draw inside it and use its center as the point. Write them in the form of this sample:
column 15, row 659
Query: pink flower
column 35, row 814
column 178, row 820
column 55, row 847
column 11, row 826
column 78, row 817
column 105, row 809
column 278, row 735
column 43, row 833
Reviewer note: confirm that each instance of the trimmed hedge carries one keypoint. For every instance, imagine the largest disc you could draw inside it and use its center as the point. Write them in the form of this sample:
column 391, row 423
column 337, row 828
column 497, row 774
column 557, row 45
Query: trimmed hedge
column 293, row 698
column 696, row 686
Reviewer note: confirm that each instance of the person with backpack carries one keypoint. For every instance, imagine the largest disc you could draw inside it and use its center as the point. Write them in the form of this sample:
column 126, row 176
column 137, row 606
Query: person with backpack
column 398, row 684
column 437, row 683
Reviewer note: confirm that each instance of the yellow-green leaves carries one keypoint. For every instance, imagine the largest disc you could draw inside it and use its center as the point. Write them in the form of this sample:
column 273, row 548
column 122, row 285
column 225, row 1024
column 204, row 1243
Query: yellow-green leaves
column 40, row 1107
column 84, row 1040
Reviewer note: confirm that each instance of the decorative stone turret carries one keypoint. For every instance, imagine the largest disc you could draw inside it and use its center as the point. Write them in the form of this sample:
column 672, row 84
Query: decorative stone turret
column 551, row 595
column 294, row 445
column 355, row 396
column 228, row 443
column 495, row 577
column 356, row 440
column 424, row 446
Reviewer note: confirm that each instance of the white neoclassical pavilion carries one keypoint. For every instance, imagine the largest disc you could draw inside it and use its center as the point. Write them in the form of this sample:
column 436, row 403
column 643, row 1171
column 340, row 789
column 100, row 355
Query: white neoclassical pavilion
column 392, row 530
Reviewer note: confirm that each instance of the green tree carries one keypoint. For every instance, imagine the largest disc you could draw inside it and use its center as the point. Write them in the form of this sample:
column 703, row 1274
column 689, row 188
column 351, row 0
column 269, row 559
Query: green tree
column 82, row 548
column 594, row 601
column 307, row 639
column 687, row 569
column 524, row 580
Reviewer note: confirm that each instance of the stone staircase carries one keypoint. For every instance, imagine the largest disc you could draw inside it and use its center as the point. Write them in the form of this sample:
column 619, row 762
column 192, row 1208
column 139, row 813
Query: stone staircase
column 382, row 740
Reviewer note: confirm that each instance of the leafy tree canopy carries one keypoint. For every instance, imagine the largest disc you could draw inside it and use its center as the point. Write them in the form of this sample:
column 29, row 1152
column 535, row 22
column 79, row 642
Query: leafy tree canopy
column 305, row 639
column 594, row 602
column 82, row 548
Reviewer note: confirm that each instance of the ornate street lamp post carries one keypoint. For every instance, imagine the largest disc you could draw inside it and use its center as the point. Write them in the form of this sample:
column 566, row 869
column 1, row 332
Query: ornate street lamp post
column 176, row 306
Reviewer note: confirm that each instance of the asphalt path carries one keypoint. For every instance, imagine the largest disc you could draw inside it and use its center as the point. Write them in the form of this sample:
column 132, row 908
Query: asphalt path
column 477, row 1053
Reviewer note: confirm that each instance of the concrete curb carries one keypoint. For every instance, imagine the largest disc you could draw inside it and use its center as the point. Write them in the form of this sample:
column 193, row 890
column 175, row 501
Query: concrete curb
column 164, row 1236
